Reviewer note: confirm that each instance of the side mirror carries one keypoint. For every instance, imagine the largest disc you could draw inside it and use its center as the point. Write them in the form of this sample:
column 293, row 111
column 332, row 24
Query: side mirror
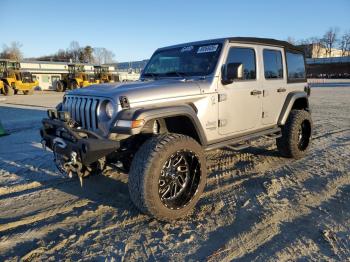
column 231, row 72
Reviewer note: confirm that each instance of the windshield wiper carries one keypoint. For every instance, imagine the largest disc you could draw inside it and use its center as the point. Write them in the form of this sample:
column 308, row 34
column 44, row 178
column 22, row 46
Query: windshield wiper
column 179, row 74
column 155, row 76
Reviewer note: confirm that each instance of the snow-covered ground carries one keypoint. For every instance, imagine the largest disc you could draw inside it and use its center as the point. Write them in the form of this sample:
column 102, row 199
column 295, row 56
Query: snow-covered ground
column 256, row 206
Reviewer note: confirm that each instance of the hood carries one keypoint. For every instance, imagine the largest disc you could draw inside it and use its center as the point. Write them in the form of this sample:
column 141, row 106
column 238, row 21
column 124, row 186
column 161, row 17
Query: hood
column 142, row 90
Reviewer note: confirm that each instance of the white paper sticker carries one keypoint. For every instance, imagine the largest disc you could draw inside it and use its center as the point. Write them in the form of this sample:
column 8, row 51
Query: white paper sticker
column 207, row 49
column 187, row 49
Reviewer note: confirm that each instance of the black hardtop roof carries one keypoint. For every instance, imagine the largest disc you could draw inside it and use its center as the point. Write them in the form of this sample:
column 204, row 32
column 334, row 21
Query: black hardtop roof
column 265, row 41
column 252, row 40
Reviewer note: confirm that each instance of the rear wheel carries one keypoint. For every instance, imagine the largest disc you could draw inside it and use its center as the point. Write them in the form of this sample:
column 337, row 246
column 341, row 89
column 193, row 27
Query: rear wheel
column 167, row 176
column 28, row 92
column 59, row 86
column 296, row 135
column 8, row 90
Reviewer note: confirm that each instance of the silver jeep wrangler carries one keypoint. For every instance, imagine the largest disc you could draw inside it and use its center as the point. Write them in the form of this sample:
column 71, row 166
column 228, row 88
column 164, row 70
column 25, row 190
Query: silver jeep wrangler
column 190, row 98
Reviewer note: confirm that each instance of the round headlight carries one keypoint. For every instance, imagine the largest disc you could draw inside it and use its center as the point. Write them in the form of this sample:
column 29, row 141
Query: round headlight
column 109, row 109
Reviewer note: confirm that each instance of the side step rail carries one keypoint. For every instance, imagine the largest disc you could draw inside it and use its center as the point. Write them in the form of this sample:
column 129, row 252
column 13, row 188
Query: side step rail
column 232, row 143
column 274, row 136
column 238, row 147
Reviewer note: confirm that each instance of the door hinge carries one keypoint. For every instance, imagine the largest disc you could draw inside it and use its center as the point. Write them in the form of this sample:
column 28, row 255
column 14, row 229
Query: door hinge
column 222, row 122
column 222, row 97
column 263, row 114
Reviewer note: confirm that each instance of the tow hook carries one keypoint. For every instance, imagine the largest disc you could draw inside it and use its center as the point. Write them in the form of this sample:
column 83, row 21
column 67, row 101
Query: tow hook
column 74, row 163
column 73, row 157
column 43, row 144
column 80, row 179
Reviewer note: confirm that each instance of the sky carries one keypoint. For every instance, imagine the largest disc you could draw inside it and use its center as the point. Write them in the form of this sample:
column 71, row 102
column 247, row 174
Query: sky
column 134, row 29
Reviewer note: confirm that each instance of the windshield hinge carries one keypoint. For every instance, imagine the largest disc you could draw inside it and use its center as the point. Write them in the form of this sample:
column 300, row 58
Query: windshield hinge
column 222, row 97
column 222, row 122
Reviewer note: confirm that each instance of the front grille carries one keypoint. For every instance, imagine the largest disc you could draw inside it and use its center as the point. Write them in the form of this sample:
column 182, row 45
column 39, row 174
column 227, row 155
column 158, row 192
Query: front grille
column 83, row 110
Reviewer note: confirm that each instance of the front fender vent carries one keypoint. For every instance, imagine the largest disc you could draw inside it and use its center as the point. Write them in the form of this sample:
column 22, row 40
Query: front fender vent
column 124, row 102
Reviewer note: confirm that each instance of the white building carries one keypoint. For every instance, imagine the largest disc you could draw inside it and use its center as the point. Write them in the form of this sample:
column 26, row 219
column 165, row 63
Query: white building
column 47, row 73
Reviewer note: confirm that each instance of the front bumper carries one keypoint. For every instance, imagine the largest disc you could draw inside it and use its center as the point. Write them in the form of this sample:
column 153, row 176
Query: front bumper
column 65, row 140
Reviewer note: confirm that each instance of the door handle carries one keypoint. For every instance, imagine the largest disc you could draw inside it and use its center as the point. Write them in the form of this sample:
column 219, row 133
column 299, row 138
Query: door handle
column 280, row 90
column 255, row 92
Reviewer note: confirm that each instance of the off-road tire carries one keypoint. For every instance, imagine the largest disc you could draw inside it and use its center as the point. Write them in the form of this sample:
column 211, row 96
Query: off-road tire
column 8, row 90
column 146, row 169
column 73, row 85
column 288, row 143
column 28, row 92
column 59, row 86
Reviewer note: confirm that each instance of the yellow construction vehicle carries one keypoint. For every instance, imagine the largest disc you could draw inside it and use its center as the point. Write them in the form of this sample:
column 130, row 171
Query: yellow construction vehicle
column 14, row 80
column 102, row 74
column 76, row 78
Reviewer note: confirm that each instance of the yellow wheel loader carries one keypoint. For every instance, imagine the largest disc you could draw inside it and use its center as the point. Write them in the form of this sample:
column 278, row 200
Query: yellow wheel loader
column 13, row 80
column 103, row 75
column 2, row 86
column 76, row 78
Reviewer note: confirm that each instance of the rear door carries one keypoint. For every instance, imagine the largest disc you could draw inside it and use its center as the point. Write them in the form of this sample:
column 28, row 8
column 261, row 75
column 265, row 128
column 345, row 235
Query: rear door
column 274, row 81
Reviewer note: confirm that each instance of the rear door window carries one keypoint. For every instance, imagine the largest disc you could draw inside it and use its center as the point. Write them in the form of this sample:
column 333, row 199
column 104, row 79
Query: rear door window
column 273, row 67
column 295, row 66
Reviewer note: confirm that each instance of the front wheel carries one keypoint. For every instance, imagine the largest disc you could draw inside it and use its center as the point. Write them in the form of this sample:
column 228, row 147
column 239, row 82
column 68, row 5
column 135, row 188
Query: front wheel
column 9, row 91
column 167, row 176
column 296, row 135
column 73, row 85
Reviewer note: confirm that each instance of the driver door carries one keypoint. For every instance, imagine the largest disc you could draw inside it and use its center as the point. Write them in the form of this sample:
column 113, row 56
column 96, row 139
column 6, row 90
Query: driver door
column 240, row 103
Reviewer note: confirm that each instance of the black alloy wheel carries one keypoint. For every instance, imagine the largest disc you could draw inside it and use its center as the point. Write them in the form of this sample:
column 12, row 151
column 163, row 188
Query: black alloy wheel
column 179, row 179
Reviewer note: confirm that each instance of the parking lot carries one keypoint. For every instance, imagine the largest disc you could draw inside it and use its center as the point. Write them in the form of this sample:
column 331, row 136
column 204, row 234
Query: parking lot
column 37, row 104
column 257, row 205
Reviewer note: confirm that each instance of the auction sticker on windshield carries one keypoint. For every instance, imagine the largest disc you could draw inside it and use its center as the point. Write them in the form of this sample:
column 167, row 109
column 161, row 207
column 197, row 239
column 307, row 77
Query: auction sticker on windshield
column 187, row 49
column 207, row 49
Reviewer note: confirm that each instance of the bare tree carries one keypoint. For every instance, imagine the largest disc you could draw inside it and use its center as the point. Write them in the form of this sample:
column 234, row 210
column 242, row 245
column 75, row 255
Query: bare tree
column 77, row 54
column 316, row 45
column 62, row 55
column 329, row 39
column 103, row 55
column 345, row 44
column 291, row 40
column 12, row 52
column 108, row 56
column 98, row 55
column 74, row 50
column 307, row 46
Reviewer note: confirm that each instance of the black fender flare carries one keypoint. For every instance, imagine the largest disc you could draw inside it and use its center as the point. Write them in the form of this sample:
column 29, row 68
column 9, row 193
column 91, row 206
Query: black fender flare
column 288, row 105
column 149, row 114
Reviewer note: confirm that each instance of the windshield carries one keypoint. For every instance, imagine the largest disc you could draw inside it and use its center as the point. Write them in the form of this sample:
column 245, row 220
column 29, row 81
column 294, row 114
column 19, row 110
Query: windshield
column 192, row 60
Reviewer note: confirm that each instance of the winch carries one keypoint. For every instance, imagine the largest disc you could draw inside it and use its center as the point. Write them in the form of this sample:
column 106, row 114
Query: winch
column 69, row 166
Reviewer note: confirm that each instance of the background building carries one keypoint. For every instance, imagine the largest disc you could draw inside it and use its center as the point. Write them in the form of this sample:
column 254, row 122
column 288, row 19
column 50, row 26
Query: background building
column 47, row 73
column 319, row 51
column 333, row 67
